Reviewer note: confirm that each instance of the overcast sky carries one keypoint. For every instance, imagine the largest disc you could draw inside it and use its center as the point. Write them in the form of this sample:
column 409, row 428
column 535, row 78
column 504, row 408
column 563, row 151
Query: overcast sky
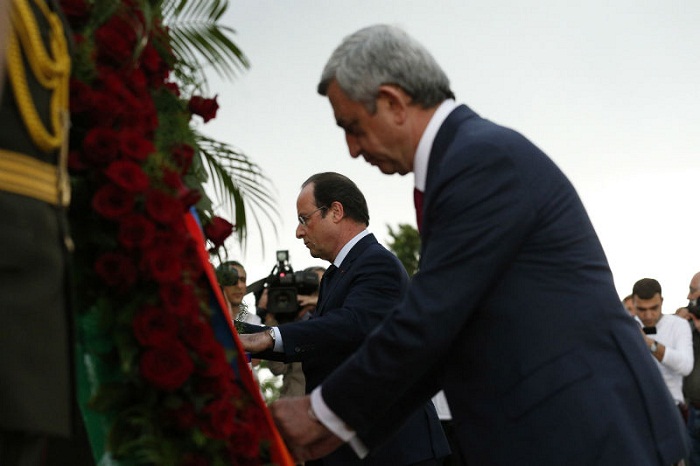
column 609, row 90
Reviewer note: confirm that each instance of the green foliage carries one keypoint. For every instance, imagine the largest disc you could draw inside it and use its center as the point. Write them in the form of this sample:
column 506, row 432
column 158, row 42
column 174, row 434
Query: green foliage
column 405, row 243
column 238, row 182
column 200, row 41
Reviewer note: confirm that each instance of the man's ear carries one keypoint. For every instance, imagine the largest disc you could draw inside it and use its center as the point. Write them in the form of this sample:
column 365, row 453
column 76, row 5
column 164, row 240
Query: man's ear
column 396, row 101
column 336, row 211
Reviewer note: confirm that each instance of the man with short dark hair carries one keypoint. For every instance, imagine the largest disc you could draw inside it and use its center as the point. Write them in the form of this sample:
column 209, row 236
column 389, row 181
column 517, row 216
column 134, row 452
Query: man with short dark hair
column 668, row 337
column 362, row 285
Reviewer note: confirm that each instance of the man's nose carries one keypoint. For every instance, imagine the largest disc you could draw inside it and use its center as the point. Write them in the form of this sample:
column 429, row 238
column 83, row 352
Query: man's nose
column 353, row 146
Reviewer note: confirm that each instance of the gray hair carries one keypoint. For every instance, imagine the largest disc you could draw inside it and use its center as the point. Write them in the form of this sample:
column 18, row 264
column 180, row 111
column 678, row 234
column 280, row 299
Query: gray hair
column 384, row 54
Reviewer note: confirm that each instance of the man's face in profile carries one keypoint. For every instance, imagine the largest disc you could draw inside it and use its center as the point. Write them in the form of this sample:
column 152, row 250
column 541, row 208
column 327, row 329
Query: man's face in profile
column 377, row 137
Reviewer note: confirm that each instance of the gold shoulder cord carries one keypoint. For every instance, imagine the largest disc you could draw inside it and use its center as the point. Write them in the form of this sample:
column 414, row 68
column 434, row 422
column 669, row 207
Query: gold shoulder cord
column 52, row 70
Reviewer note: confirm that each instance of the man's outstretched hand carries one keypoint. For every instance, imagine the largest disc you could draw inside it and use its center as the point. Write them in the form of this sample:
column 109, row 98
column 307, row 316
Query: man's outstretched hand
column 304, row 435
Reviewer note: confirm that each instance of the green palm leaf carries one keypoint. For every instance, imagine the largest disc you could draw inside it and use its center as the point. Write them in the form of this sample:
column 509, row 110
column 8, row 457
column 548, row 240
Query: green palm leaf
column 199, row 41
column 241, row 185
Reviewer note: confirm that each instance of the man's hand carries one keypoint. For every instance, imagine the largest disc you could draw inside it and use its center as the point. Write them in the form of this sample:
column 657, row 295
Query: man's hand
column 305, row 436
column 256, row 342
column 306, row 300
column 686, row 314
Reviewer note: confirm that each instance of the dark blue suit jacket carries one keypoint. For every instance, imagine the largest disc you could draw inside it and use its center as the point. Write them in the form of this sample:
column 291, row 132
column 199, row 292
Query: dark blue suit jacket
column 370, row 282
column 515, row 315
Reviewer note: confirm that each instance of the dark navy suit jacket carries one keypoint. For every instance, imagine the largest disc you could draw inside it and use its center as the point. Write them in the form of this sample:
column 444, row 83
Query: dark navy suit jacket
column 515, row 315
column 369, row 283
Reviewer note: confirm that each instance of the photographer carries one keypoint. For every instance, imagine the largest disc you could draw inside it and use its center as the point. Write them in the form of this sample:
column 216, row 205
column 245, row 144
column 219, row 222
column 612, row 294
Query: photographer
column 691, row 383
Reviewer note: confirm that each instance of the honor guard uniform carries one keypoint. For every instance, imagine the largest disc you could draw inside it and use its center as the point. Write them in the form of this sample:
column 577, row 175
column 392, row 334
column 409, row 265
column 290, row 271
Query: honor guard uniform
column 37, row 400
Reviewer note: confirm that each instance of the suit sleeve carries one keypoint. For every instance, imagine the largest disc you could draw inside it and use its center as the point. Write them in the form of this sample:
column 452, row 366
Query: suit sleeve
column 374, row 285
column 478, row 215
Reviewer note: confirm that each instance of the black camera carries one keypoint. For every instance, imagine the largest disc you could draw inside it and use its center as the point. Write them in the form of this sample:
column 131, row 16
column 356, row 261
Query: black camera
column 283, row 285
column 694, row 308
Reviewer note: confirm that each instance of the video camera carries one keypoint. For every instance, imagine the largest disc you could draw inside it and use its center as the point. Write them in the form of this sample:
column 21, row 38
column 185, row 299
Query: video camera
column 283, row 285
column 694, row 307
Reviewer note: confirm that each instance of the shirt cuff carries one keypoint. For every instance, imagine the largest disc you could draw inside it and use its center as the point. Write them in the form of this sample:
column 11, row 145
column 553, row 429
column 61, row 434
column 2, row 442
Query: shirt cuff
column 279, row 346
column 336, row 425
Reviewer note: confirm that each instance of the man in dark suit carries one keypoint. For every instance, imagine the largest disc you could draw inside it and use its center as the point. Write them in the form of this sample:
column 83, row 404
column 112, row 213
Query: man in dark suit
column 363, row 283
column 513, row 311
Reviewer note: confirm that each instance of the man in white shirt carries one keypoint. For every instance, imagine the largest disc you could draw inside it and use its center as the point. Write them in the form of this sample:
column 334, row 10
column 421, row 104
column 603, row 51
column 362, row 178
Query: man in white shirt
column 668, row 337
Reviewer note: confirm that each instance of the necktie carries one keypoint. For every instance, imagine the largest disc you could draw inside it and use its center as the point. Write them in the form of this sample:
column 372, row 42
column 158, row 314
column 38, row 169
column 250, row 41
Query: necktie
column 418, row 202
column 325, row 280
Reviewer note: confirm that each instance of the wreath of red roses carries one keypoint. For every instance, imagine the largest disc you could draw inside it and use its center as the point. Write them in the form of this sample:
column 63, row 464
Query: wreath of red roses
column 160, row 386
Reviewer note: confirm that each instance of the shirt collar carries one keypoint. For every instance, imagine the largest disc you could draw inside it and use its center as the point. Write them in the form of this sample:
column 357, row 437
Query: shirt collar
column 425, row 145
column 348, row 246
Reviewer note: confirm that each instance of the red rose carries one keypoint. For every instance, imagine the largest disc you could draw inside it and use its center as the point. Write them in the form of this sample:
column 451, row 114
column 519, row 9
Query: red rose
column 162, row 264
column 172, row 240
column 81, row 97
column 97, row 117
column 75, row 162
column 187, row 197
column 137, row 83
column 155, row 327
column 130, row 106
column 155, row 67
column 114, row 83
column 112, row 202
column 218, row 385
column 76, row 11
column 145, row 119
column 213, row 360
column 134, row 146
column 244, row 444
column 116, row 270
column 183, row 155
column 198, row 334
column 179, row 298
column 217, row 230
column 128, row 175
column 100, row 146
column 206, row 108
column 115, row 41
column 136, row 231
column 167, row 367
column 163, row 207
column 218, row 419
column 174, row 88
